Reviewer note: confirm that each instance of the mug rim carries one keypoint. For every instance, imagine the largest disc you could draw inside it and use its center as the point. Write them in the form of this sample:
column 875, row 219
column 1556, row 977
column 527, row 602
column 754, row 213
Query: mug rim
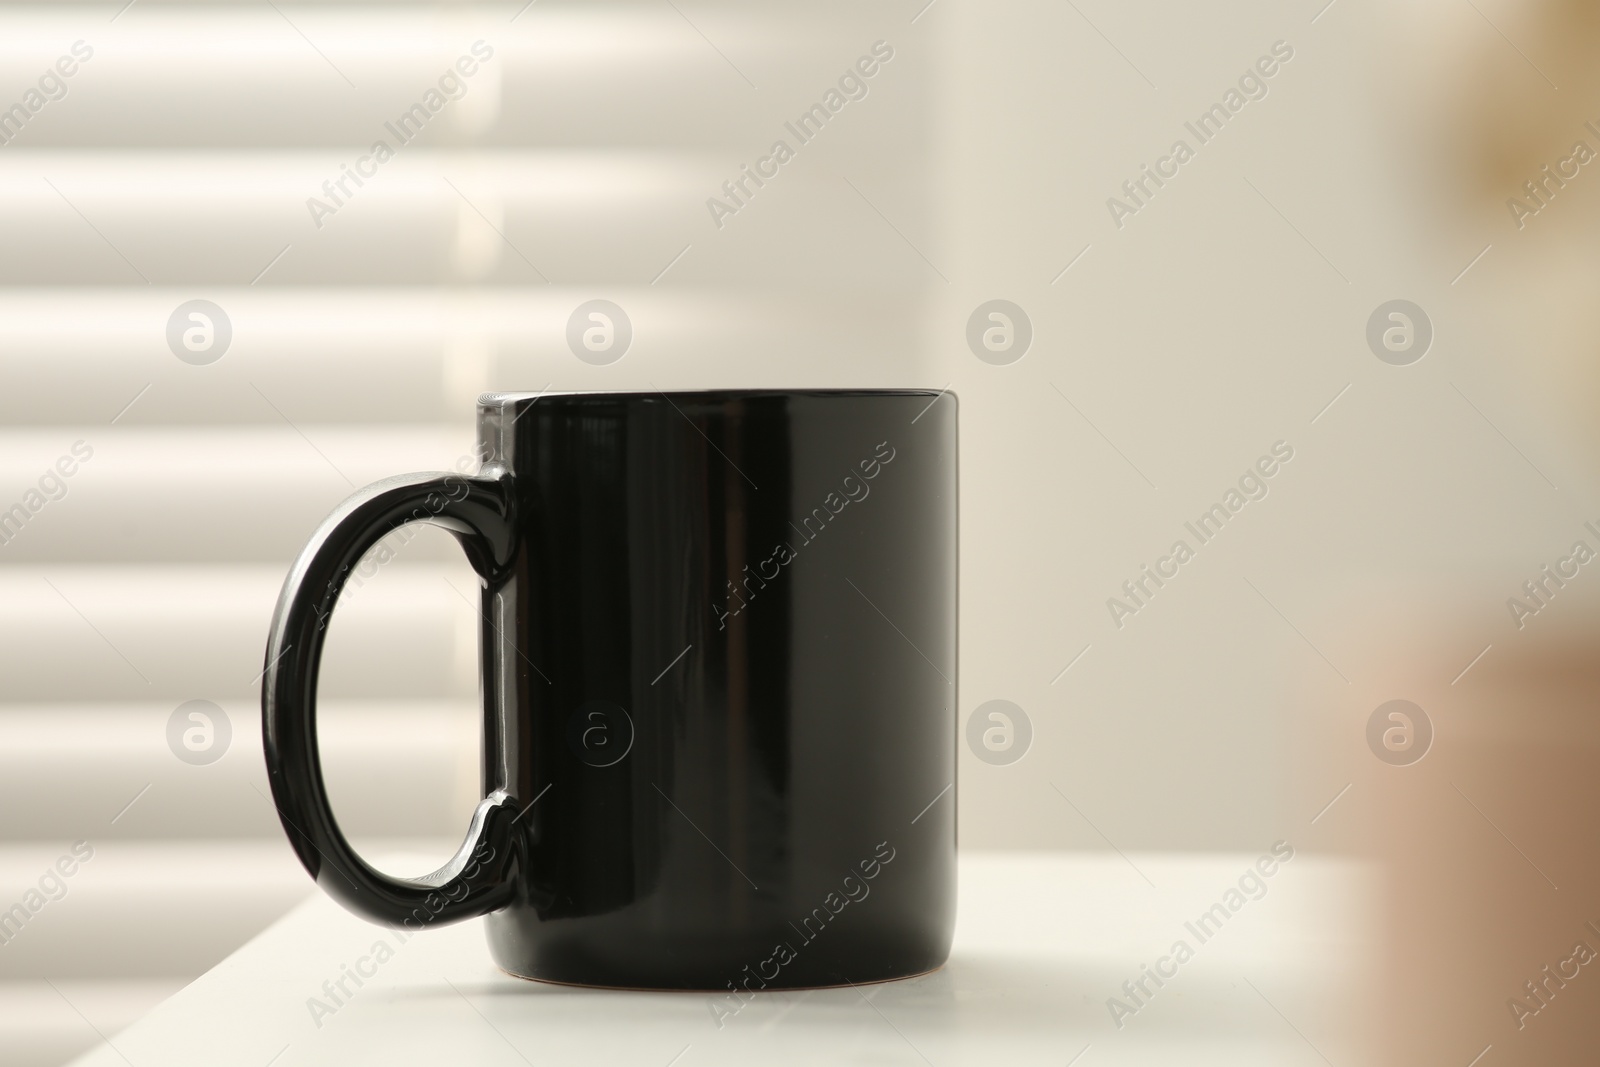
column 492, row 401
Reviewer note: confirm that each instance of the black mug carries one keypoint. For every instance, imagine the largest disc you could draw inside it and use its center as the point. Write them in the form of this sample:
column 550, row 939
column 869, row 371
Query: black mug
column 719, row 667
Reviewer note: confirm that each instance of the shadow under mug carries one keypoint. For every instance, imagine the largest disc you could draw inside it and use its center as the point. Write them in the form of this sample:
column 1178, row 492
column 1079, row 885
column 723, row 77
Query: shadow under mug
column 718, row 675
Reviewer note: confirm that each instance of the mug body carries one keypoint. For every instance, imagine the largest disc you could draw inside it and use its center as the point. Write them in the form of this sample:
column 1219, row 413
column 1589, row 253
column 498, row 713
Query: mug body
column 720, row 670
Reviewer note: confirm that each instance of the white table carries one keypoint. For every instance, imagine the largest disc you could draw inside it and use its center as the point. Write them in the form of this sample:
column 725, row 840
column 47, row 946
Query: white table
column 1042, row 942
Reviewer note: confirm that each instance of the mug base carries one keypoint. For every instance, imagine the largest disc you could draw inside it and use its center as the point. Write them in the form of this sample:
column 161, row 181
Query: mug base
column 621, row 988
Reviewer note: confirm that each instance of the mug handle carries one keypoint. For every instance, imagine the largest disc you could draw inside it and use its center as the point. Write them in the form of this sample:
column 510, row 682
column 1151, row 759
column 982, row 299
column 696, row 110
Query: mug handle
column 479, row 878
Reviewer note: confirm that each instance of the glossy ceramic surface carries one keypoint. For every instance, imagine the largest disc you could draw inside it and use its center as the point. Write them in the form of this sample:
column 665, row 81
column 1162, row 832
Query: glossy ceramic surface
column 719, row 680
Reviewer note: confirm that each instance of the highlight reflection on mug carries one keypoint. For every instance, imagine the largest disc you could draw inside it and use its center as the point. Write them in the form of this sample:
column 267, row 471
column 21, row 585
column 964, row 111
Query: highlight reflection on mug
column 198, row 732
column 600, row 733
column 999, row 732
